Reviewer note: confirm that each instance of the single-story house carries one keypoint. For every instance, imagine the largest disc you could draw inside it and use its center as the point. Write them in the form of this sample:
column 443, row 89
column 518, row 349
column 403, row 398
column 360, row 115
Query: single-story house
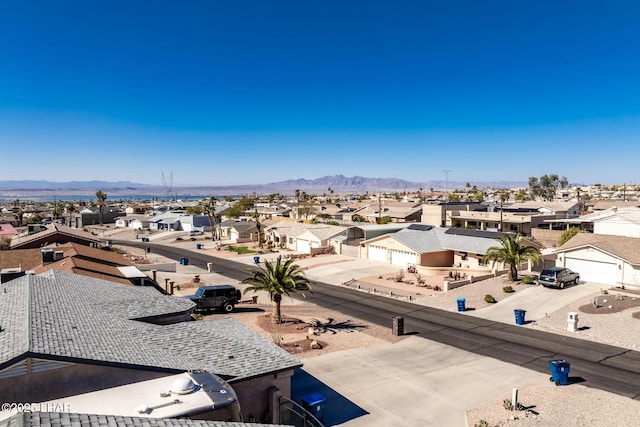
column 65, row 334
column 239, row 231
column 55, row 233
column 133, row 221
column 314, row 237
column 601, row 258
column 429, row 246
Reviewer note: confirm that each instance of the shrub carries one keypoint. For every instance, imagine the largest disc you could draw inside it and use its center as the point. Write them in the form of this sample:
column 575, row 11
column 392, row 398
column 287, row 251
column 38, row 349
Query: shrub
column 489, row 298
column 399, row 277
column 179, row 238
column 508, row 289
column 481, row 423
column 527, row 280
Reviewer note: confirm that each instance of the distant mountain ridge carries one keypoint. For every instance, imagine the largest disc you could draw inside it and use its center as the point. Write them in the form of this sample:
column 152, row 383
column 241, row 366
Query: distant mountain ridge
column 359, row 183
column 338, row 183
column 70, row 185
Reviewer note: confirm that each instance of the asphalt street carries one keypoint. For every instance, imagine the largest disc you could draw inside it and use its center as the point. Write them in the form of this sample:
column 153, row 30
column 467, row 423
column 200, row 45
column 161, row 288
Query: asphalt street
column 596, row 365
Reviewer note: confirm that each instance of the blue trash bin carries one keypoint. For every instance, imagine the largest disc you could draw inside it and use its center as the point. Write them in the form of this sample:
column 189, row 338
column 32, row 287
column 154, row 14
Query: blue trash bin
column 184, row 261
column 519, row 316
column 256, row 259
column 461, row 302
column 198, row 245
column 314, row 403
column 559, row 371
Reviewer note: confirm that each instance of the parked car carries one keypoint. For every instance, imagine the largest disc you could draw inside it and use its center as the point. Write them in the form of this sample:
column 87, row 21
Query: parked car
column 220, row 297
column 558, row 277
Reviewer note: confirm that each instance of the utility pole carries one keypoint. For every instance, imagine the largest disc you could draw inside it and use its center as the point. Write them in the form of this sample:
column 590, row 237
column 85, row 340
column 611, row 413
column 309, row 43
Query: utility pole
column 446, row 195
column 501, row 201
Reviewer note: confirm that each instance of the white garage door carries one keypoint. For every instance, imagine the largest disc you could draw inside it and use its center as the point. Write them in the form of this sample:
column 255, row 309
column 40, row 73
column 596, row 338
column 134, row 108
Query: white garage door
column 402, row 258
column 593, row 271
column 303, row 246
column 377, row 253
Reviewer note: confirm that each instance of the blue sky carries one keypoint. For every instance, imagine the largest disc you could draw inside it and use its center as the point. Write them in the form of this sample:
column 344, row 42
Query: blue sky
column 251, row 92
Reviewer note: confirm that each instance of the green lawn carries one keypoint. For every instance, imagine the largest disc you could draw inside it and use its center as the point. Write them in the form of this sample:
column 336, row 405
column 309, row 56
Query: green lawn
column 240, row 249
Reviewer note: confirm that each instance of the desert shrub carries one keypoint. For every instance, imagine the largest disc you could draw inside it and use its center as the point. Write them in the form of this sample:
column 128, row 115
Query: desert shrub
column 508, row 289
column 179, row 238
column 508, row 405
column 481, row 423
column 489, row 298
column 527, row 280
column 399, row 277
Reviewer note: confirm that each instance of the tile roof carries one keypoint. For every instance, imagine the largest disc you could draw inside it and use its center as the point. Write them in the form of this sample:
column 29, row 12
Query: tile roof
column 51, row 230
column 61, row 419
column 622, row 247
column 81, row 319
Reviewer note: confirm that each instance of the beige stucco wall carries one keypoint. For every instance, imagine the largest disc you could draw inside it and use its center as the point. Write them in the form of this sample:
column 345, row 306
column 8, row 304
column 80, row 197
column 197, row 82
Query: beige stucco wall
column 68, row 381
column 432, row 214
column 548, row 238
column 617, row 227
column 253, row 394
column 437, row 259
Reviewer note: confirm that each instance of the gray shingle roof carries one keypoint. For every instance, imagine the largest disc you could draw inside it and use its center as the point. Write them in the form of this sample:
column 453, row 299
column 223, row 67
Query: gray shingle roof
column 439, row 239
column 57, row 419
column 82, row 319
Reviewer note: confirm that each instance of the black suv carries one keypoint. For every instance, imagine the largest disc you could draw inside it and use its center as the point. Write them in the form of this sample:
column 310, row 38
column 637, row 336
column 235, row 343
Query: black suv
column 220, row 297
column 558, row 277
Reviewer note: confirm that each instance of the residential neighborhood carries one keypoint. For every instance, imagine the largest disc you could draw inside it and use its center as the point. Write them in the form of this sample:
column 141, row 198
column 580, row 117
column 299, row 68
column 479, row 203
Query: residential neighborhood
column 79, row 317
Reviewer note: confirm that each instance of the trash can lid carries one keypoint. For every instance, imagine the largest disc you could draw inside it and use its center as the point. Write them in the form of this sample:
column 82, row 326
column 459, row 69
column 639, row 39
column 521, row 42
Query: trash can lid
column 560, row 363
column 314, row 399
column 519, row 310
column 462, row 299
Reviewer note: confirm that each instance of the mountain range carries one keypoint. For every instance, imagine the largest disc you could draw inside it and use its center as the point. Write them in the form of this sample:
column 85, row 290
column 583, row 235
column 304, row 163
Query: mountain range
column 338, row 183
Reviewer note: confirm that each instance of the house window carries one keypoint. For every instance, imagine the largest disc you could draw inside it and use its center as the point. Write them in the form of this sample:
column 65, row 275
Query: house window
column 463, row 256
column 290, row 239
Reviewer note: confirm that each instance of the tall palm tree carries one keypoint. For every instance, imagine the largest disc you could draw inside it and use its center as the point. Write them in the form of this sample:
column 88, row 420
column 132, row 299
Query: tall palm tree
column 256, row 217
column 512, row 252
column 57, row 210
column 278, row 278
column 209, row 208
column 102, row 198
column 71, row 208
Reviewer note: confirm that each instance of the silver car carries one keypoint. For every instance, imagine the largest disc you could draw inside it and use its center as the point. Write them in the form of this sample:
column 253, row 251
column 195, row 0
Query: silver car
column 558, row 277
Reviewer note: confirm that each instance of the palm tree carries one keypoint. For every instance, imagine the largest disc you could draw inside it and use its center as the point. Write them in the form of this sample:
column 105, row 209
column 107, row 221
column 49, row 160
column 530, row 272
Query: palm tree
column 57, row 210
column 102, row 197
column 512, row 252
column 71, row 208
column 209, row 208
column 278, row 279
column 256, row 217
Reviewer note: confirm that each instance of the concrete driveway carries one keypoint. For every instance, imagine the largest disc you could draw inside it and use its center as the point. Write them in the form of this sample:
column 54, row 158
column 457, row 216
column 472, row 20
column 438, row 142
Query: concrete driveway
column 538, row 302
column 411, row 383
